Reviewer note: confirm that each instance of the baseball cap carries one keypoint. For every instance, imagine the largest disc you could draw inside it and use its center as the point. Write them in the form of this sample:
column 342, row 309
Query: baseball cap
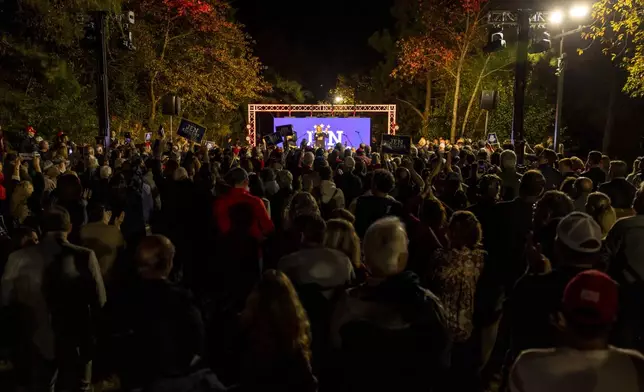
column 591, row 298
column 579, row 232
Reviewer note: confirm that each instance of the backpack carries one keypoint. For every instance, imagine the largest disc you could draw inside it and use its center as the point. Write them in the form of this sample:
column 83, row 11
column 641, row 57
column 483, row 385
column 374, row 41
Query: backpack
column 326, row 209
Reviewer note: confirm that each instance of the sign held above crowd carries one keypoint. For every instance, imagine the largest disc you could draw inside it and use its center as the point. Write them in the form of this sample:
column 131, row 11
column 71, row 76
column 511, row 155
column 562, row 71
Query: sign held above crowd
column 492, row 139
column 191, row 130
column 396, row 144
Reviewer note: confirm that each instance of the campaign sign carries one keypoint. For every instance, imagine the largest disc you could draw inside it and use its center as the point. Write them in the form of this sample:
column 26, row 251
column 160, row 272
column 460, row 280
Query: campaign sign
column 350, row 131
column 191, row 131
column 396, row 144
column 284, row 130
column 492, row 139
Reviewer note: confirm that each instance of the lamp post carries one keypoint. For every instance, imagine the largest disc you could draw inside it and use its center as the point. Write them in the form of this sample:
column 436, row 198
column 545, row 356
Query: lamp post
column 576, row 12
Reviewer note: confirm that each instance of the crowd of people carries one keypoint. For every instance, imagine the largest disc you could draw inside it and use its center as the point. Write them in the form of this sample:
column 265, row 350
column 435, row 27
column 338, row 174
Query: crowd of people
column 173, row 267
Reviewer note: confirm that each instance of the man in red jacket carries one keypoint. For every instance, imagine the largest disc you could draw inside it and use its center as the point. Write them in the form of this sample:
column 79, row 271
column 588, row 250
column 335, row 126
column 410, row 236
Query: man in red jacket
column 261, row 225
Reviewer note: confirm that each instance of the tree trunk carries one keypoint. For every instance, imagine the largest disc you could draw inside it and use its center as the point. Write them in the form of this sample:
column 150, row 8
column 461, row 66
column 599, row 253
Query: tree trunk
column 153, row 106
column 153, row 99
column 428, row 104
column 457, row 92
column 474, row 94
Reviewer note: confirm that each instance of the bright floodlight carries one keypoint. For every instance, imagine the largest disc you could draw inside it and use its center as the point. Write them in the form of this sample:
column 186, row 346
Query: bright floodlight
column 579, row 11
column 556, row 17
column 338, row 99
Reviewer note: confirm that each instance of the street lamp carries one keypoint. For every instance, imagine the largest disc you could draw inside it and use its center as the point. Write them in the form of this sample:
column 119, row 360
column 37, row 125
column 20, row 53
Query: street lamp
column 556, row 17
column 577, row 12
column 338, row 99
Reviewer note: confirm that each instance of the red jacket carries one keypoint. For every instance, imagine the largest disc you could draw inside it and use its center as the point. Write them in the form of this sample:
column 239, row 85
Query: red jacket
column 262, row 224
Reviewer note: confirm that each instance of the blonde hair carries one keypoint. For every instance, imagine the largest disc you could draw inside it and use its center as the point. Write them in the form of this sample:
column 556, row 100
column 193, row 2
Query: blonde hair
column 19, row 197
column 341, row 235
column 275, row 319
column 106, row 172
column 92, row 162
column 599, row 207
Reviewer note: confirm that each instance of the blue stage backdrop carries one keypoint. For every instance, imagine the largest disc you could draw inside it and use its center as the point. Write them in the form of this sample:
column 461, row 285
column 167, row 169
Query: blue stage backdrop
column 350, row 131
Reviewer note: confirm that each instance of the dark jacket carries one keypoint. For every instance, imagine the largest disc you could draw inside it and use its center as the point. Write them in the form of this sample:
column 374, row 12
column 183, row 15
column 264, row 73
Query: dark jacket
column 161, row 329
column 390, row 328
column 506, row 240
column 597, row 175
column 620, row 191
column 534, row 299
column 371, row 208
column 553, row 177
column 485, row 213
column 511, row 181
column 75, row 294
column 351, row 186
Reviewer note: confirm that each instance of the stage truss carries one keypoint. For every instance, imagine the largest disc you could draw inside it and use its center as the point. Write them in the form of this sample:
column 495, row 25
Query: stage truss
column 253, row 109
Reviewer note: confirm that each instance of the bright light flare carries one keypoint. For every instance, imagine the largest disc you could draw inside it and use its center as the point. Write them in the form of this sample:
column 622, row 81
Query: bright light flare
column 556, row 17
column 579, row 11
column 338, row 99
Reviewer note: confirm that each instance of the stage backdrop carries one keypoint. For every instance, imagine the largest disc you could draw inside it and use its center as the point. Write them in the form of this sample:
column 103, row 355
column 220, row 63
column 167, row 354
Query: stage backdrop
column 351, row 131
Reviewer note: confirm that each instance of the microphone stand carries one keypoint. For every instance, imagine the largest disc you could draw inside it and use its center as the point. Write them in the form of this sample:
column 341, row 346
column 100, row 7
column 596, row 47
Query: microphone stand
column 359, row 135
column 347, row 139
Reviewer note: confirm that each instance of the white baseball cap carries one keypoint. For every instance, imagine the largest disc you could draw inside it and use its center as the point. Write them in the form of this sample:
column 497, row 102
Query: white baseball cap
column 579, row 232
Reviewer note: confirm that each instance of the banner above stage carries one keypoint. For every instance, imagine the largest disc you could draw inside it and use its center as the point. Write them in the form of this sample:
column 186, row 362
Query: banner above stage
column 350, row 131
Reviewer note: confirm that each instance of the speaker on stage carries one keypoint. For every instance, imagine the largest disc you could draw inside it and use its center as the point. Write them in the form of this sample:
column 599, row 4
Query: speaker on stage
column 171, row 105
column 489, row 99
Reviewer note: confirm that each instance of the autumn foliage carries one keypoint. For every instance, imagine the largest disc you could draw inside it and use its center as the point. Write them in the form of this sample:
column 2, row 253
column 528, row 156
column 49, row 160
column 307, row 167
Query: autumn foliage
column 445, row 27
column 447, row 32
column 195, row 50
column 618, row 25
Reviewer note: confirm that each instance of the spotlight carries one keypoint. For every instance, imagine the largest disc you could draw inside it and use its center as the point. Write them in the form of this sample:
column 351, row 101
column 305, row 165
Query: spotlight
column 579, row 11
column 495, row 44
column 556, row 17
column 542, row 45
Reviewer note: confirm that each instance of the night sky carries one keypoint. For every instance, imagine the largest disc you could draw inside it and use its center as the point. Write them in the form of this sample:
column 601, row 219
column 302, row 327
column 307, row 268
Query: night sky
column 313, row 42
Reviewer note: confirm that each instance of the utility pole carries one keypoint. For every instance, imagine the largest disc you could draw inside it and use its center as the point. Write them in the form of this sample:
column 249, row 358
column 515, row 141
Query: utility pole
column 102, row 88
column 521, row 73
column 561, row 74
column 561, row 70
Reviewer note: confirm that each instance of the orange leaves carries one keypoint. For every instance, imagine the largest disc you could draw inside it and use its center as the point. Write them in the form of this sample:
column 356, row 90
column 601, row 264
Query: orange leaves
column 189, row 7
column 472, row 6
column 418, row 54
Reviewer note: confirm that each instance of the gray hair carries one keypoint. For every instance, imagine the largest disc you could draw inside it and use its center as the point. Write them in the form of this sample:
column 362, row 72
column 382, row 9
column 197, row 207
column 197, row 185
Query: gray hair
column 383, row 244
column 308, row 158
column 508, row 159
